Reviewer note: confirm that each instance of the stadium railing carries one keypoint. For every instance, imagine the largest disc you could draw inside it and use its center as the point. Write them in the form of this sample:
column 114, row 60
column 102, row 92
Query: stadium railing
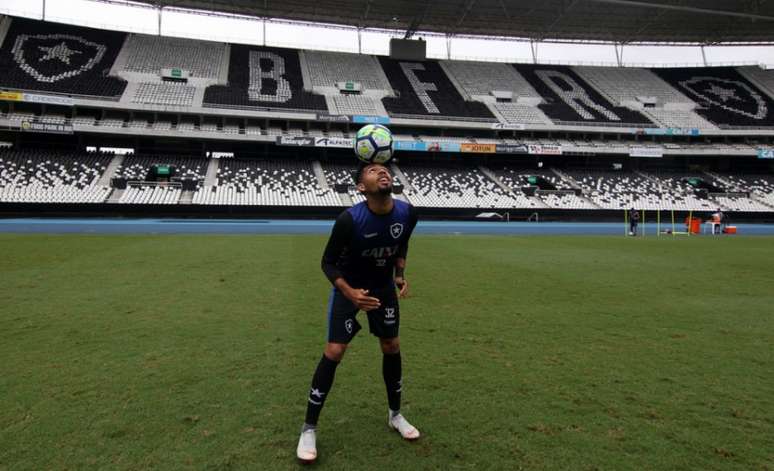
column 605, row 124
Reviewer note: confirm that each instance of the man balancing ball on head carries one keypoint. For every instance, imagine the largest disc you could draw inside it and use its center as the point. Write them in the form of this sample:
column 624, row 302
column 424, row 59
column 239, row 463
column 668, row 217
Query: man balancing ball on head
column 365, row 259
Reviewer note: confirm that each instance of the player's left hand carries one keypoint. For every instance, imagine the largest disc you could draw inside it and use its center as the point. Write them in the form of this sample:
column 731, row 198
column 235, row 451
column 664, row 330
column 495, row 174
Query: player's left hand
column 402, row 285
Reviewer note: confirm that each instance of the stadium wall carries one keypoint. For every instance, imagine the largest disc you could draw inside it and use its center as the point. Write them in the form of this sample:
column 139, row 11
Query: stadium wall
column 108, row 210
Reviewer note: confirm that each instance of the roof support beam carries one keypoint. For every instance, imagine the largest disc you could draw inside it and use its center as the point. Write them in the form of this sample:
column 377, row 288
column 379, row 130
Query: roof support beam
column 365, row 13
column 533, row 46
column 505, row 10
column 650, row 21
column 468, row 7
column 418, row 20
column 562, row 12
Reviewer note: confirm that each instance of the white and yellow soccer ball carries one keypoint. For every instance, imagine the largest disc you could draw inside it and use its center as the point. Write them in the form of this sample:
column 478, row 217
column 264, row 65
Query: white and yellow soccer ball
column 373, row 144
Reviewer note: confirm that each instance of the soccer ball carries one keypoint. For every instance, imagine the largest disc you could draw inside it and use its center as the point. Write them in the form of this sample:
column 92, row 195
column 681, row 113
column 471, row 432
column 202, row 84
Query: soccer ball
column 373, row 144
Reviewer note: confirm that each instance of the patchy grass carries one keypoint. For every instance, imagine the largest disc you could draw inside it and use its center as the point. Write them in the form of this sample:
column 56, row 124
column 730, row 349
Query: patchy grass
column 196, row 352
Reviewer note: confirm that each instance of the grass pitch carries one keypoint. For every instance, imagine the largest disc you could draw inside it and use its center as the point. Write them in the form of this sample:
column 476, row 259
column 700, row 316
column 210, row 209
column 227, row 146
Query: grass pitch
column 196, row 352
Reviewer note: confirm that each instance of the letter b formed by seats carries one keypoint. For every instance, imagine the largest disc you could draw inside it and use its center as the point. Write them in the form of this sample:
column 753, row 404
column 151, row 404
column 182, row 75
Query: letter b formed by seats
column 257, row 89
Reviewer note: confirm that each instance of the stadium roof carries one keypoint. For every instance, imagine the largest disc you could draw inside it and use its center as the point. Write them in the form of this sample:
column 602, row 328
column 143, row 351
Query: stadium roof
column 696, row 21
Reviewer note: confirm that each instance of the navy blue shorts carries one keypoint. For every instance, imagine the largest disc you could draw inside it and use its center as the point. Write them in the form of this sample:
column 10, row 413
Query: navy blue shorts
column 382, row 322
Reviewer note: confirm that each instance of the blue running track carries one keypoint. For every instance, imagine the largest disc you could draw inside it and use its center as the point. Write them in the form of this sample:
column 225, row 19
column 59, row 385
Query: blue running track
column 275, row 226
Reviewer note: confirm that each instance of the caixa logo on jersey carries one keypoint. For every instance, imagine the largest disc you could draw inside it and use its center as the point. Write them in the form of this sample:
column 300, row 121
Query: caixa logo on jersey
column 380, row 252
column 731, row 95
column 53, row 57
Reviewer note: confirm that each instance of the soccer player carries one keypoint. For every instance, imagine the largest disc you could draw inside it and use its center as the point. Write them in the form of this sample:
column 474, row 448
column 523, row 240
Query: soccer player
column 634, row 219
column 364, row 259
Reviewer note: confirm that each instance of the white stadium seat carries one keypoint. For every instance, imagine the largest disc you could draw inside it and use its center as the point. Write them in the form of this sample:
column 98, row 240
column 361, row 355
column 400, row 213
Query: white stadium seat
column 149, row 54
column 52, row 177
column 266, row 183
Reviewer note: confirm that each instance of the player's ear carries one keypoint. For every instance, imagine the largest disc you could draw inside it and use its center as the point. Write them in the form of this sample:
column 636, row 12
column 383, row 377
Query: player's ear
column 360, row 187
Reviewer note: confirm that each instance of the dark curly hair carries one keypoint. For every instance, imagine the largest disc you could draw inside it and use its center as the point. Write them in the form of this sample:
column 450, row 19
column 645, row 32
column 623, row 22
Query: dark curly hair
column 357, row 175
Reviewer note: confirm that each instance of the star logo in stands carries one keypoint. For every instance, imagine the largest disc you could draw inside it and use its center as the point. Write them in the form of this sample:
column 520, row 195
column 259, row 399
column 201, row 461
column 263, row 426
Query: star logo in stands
column 724, row 94
column 731, row 95
column 60, row 51
column 50, row 58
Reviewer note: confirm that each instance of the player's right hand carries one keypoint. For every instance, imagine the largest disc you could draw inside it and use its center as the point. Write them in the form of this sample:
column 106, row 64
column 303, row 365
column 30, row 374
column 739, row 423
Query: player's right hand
column 360, row 298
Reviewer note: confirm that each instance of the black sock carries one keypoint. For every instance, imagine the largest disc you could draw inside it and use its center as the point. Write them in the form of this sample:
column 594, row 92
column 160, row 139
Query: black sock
column 391, row 370
column 321, row 386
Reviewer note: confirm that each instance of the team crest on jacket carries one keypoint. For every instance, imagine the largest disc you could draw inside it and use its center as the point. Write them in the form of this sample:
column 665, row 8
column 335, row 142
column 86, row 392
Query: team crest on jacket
column 396, row 230
column 53, row 57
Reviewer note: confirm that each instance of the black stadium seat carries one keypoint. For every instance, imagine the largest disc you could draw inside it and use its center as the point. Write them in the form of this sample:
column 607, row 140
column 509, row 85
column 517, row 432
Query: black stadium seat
column 44, row 56
column 425, row 90
column 264, row 77
column 724, row 96
column 569, row 99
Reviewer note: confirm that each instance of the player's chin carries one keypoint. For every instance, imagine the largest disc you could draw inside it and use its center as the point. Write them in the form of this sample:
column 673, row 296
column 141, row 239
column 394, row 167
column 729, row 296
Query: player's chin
column 385, row 190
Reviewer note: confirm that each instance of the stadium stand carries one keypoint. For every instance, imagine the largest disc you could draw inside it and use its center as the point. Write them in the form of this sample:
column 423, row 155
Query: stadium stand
column 53, row 177
column 762, row 78
column 143, row 58
column 34, row 176
column 111, row 123
column 266, row 183
column 678, row 118
column 137, row 124
column 254, row 130
column 162, row 125
column 619, row 190
column 724, row 96
column 759, row 186
column 209, row 127
column 740, row 203
column 678, row 195
column 479, row 79
column 21, row 116
column 150, row 194
column 327, row 69
column 458, row 188
column 146, row 54
column 164, row 94
column 422, row 89
column 86, row 62
column 265, row 78
column 52, row 119
column 516, row 178
column 354, row 105
column 632, row 87
column 514, row 113
column 52, row 57
column 84, row 121
column 627, row 84
column 564, row 200
column 569, row 99
column 137, row 167
column 342, row 174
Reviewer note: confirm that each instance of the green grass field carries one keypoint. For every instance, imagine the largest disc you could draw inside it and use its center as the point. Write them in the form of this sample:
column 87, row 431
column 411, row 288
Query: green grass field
column 196, row 352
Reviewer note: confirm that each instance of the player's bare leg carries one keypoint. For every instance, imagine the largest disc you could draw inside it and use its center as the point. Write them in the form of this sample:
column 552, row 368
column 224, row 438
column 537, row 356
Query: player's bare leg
column 392, row 372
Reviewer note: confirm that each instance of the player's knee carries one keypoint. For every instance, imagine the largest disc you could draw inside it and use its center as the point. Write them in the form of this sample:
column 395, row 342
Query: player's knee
column 391, row 345
column 335, row 351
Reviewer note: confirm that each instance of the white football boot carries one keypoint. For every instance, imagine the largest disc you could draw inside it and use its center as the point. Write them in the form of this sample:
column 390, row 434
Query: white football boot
column 307, row 447
column 401, row 425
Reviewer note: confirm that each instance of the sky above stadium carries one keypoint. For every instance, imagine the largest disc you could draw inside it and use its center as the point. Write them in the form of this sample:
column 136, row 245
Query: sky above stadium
column 230, row 28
